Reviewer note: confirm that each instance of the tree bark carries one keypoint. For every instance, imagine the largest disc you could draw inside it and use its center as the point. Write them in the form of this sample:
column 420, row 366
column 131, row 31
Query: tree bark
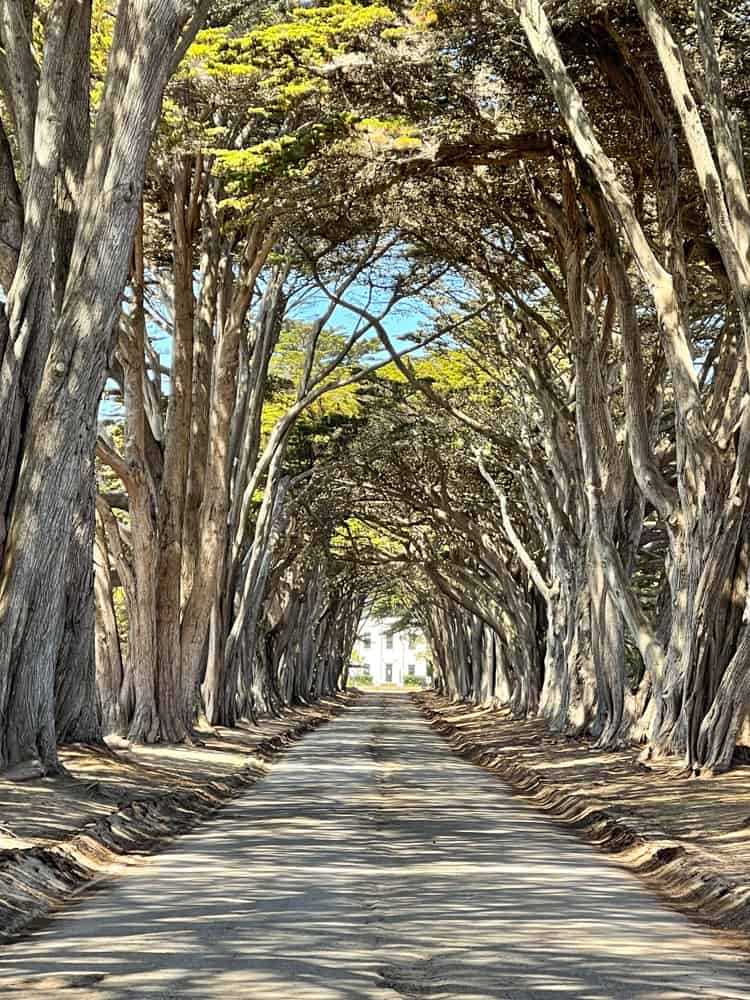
column 60, row 427
column 110, row 674
column 76, row 716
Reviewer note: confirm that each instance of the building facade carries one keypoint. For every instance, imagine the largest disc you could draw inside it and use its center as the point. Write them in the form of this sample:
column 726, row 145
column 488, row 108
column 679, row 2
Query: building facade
column 389, row 657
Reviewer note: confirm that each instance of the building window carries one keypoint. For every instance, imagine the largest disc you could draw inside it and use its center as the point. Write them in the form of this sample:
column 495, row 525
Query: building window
column 366, row 640
column 389, row 673
column 412, row 669
column 412, row 641
column 389, row 642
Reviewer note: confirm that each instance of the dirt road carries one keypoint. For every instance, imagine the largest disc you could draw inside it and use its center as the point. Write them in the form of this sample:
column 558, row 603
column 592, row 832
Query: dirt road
column 373, row 863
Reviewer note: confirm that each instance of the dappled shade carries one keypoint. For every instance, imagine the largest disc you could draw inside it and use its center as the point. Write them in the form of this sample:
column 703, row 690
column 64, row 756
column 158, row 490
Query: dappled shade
column 372, row 862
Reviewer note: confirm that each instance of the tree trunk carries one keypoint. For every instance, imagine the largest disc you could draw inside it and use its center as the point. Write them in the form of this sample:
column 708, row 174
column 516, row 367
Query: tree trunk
column 76, row 715
column 110, row 675
column 60, row 429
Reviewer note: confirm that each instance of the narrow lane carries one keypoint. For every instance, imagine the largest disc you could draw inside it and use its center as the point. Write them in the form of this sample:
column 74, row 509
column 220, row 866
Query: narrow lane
column 374, row 863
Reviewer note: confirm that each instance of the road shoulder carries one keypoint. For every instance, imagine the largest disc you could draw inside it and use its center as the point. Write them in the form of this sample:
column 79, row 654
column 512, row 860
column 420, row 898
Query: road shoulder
column 686, row 838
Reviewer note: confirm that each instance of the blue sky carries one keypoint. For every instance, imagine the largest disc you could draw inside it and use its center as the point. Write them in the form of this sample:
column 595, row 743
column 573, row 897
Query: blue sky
column 404, row 318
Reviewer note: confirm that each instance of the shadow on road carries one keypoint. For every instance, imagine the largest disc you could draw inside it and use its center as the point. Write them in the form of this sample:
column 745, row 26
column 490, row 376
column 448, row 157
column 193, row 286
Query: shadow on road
column 374, row 863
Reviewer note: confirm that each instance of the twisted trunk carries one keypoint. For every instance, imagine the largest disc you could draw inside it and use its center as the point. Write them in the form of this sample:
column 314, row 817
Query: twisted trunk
column 59, row 431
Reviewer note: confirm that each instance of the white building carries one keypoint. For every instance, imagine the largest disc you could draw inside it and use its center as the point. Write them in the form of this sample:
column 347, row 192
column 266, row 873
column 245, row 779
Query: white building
column 388, row 657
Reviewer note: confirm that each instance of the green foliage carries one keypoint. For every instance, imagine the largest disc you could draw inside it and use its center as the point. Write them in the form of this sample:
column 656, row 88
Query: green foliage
column 268, row 85
column 355, row 536
column 397, row 134
column 331, row 410
column 244, row 170
column 446, row 369
column 121, row 618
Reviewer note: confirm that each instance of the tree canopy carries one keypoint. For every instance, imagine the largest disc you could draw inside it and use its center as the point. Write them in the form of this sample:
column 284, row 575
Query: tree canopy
column 311, row 307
